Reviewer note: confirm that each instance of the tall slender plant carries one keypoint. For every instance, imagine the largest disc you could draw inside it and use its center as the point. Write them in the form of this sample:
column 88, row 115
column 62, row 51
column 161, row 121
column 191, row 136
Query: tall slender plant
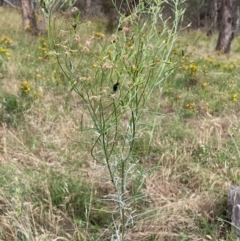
column 115, row 76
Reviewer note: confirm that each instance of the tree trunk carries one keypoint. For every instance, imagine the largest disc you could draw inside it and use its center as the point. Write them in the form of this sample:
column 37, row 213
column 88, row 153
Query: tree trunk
column 214, row 17
column 88, row 4
column 29, row 19
column 238, row 20
column 227, row 27
column 234, row 209
column 42, row 21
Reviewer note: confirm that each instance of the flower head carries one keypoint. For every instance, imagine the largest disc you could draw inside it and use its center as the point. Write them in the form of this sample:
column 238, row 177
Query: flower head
column 235, row 97
column 25, row 87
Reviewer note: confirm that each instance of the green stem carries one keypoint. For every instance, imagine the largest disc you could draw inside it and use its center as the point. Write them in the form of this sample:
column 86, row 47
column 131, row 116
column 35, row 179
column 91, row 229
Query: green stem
column 123, row 198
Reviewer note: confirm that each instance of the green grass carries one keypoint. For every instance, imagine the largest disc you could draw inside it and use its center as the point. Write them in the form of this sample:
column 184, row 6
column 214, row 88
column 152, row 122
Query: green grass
column 50, row 187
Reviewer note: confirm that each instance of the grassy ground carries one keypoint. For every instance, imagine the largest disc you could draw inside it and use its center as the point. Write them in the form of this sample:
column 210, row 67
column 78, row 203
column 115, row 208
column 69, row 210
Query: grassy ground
column 51, row 189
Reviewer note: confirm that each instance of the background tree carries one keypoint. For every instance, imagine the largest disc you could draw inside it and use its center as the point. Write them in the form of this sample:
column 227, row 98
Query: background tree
column 202, row 14
column 227, row 28
column 29, row 18
column 214, row 16
column 88, row 4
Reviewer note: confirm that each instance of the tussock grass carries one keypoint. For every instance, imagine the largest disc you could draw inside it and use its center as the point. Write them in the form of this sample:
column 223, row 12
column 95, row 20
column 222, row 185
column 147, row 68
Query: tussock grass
column 51, row 189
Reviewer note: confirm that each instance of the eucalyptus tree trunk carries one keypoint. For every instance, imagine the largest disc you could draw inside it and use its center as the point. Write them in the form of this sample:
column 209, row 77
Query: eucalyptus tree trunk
column 227, row 28
column 88, row 4
column 29, row 18
column 238, row 20
column 214, row 17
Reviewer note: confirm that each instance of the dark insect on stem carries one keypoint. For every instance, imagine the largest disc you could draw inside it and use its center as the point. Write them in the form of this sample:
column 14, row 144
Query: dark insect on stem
column 115, row 87
column 74, row 26
column 43, row 6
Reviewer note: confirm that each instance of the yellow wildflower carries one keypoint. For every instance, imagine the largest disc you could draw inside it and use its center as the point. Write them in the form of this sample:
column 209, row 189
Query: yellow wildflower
column 193, row 67
column 25, row 87
column 235, row 97
column 99, row 35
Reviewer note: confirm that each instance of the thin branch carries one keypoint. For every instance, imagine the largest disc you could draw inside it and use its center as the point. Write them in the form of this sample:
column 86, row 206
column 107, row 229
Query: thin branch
column 11, row 4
